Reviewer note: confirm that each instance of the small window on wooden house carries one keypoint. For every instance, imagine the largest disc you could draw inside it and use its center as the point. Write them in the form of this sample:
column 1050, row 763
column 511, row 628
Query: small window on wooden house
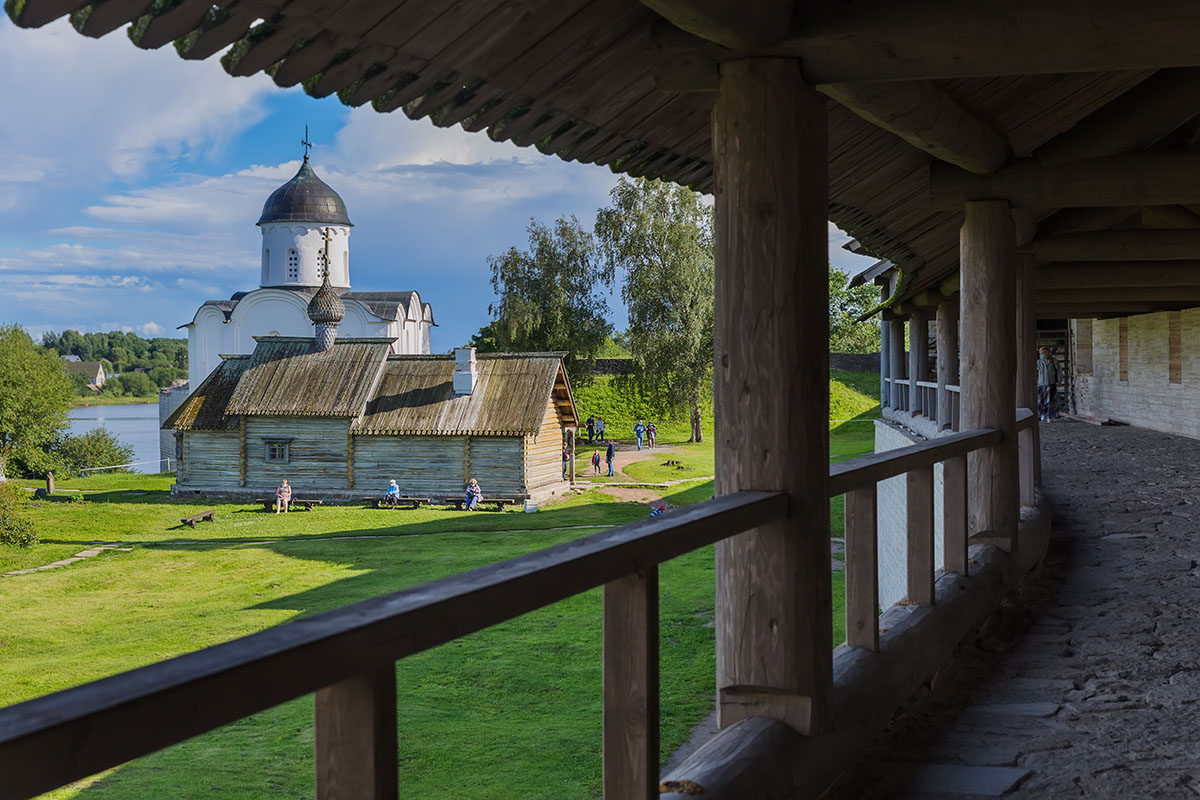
column 1123, row 348
column 1174, row 347
column 278, row 449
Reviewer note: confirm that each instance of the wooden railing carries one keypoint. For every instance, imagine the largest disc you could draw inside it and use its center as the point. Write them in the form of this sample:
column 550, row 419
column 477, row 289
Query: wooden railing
column 346, row 657
column 928, row 405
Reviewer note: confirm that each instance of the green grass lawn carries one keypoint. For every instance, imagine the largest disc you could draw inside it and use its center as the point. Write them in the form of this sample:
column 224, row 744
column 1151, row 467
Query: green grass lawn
column 513, row 711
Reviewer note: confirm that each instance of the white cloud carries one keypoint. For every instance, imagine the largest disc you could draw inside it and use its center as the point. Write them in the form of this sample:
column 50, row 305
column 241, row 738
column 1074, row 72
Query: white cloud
column 95, row 108
column 151, row 329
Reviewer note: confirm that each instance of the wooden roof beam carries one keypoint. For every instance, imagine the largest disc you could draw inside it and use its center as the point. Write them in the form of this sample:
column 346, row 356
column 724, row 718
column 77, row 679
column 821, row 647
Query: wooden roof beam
column 1173, row 216
column 1132, row 294
column 1084, row 274
column 931, row 39
column 1121, row 245
column 1134, row 121
column 1085, row 310
column 1134, row 179
column 1074, row 220
column 746, row 25
column 925, row 116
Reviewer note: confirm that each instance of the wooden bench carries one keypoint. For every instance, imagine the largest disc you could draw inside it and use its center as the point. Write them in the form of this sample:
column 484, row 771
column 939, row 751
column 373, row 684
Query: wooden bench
column 498, row 502
column 408, row 502
column 203, row 516
column 307, row 505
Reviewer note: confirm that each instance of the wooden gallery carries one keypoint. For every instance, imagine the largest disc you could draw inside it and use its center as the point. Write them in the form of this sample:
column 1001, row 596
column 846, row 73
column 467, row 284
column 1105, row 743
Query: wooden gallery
column 341, row 417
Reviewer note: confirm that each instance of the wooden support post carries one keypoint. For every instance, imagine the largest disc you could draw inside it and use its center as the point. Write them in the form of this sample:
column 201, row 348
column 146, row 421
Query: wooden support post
column 988, row 334
column 355, row 728
column 1029, row 442
column 862, row 569
column 350, row 459
column 947, row 361
column 885, row 371
column 919, row 492
column 774, row 615
column 631, row 687
column 896, row 359
column 918, row 359
column 571, row 455
column 954, row 514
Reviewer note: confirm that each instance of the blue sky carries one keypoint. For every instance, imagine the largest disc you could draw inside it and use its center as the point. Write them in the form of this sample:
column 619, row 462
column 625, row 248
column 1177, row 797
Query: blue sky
column 130, row 181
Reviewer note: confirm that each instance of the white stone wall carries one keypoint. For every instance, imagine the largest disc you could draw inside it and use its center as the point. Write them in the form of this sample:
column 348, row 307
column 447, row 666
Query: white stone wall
column 308, row 241
column 893, row 519
column 1148, row 399
column 168, row 401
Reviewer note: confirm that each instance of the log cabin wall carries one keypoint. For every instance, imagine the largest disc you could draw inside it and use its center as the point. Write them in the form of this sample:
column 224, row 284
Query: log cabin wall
column 1148, row 398
column 543, row 454
column 433, row 466
column 497, row 463
column 207, row 458
column 316, row 460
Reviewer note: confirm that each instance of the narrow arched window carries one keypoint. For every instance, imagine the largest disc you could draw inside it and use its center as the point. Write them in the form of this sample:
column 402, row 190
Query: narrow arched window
column 266, row 265
column 293, row 265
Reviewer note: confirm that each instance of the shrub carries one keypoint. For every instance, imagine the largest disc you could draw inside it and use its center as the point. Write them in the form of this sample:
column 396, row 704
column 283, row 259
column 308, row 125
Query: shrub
column 96, row 448
column 137, row 384
column 16, row 530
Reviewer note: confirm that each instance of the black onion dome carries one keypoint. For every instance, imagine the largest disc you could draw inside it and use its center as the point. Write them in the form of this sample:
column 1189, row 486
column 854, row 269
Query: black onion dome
column 326, row 307
column 305, row 198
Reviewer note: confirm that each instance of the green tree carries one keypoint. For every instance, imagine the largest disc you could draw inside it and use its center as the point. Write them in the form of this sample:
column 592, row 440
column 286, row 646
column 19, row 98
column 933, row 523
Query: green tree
column 96, row 448
column 846, row 306
column 661, row 238
column 551, row 296
column 137, row 384
column 35, row 393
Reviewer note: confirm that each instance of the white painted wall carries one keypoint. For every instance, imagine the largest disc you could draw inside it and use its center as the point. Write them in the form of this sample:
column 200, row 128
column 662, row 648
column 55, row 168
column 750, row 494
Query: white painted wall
column 307, row 241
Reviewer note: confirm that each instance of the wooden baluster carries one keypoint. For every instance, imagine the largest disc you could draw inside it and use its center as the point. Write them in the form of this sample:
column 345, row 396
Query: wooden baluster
column 862, row 569
column 1027, row 447
column 631, row 687
column 920, row 535
column 355, row 723
column 954, row 514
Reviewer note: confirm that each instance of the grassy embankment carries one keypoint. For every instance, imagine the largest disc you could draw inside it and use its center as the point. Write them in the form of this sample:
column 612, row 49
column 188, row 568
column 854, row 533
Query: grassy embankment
column 513, row 711
column 110, row 400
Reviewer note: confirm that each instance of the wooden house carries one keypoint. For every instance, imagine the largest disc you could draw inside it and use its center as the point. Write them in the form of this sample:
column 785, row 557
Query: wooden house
column 92, row 369
column 339, row 423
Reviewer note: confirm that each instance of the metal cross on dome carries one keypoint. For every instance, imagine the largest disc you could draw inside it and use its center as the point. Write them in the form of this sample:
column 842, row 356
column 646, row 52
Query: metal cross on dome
column 307, row 144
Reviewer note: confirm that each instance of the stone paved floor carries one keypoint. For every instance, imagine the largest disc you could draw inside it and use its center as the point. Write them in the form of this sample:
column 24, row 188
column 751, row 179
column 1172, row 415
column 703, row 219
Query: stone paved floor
column 1087, row 684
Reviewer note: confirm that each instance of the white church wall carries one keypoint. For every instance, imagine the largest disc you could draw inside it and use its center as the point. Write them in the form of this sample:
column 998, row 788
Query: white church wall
column 307, row 241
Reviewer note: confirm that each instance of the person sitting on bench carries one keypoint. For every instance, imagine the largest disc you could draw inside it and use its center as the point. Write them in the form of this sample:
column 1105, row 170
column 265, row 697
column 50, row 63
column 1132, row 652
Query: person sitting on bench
column 283, row 497
column 473, row 496
column 392, row 497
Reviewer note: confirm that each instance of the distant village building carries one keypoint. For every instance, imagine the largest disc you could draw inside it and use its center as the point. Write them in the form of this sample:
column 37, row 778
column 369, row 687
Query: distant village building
column 305, row 238
column 92, row 369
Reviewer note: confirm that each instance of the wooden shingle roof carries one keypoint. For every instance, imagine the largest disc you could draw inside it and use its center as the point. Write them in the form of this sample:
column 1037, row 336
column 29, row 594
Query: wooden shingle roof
column 382, row 394
column 416, row 396
column 286, row 376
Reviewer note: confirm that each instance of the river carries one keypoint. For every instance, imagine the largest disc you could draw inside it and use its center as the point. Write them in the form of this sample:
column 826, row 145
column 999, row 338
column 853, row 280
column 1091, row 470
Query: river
column 135, row 426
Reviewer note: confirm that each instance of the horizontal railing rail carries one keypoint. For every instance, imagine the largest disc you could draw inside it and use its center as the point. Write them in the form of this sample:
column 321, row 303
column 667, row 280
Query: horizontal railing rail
column 50, row 741
column 871, row 469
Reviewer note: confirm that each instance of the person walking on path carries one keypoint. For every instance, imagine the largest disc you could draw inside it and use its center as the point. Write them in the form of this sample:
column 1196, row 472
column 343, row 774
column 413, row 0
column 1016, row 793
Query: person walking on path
column 639, row 431
column 610, row 455
column 392, row 496
column 651, row 434
column 283, row 497
column 473, row 495
column 600, row 428
column 1047, row 379
column 591, row 426
column 595, row 462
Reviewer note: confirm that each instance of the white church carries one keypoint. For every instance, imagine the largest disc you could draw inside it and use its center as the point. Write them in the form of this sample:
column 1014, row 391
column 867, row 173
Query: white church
column 296, row 220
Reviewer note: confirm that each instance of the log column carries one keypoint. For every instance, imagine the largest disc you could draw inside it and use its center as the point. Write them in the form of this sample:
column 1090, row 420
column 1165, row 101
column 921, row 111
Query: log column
column 918, row 359
column 774, row 637
column 947, row 361
column 1029, row 442
column 885, row 367
column 896, row 358
column 989, row 321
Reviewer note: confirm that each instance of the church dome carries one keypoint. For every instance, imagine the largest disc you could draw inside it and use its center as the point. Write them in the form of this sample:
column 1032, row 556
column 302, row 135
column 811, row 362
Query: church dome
column 305, row 198
column 326, row 308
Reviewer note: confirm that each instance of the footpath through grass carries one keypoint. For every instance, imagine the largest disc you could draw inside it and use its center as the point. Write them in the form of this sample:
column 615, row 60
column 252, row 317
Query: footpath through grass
column 513, row 711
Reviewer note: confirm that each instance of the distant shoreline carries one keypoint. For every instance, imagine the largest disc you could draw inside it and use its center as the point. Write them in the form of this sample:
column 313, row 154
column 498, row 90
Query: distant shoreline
column 90, row 402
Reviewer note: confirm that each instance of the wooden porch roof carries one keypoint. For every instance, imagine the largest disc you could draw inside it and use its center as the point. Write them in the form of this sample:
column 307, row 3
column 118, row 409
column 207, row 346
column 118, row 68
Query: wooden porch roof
column 611, row 82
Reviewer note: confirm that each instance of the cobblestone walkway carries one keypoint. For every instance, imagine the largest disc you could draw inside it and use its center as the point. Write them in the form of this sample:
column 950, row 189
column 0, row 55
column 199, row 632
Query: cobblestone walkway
column 1088, row 683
